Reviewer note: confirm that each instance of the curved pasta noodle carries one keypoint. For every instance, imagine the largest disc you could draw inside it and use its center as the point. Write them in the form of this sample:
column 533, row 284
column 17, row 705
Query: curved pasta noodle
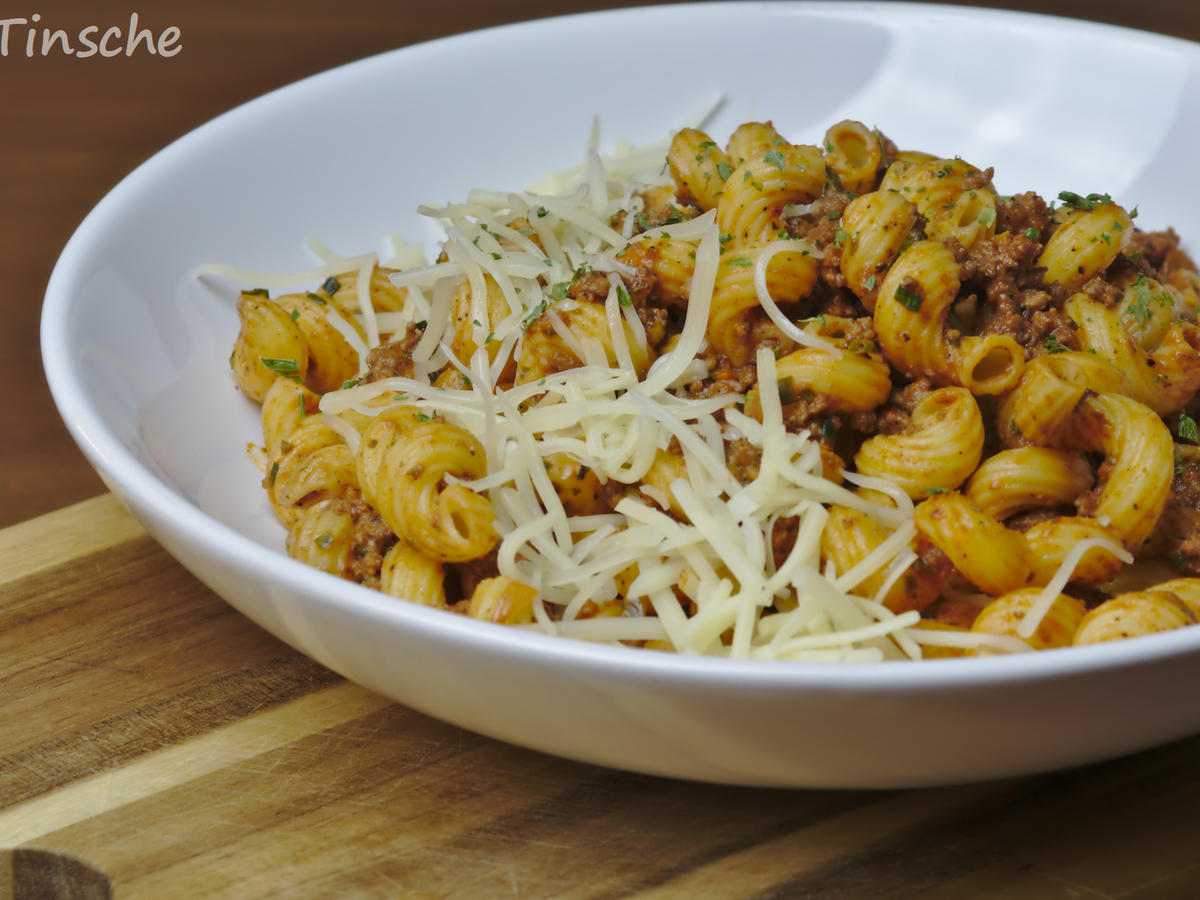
column 502, row 599
column 544, row 350
column 1133, row 614
column 445, row 521
column 993, row 558
column 910, row 319
column 790, row 276
column 385, row 295
column 376, row 441
column 942, row 191
column 1024, row 478
column 757, row 191
column 313, row 463
column 322, row 537
column 850, row 535
column 877, row 225
column 852, row 382
column 751, row 139
column 1143, row 462
column 853, row 154
column 1053, row 540
column 269, row 345
column 1042, row 406
column 940, row 453
column 331, row 359
column 474, row 320
column 1164, row 380
column 1057, row 627
column 698, row 166
column 1085, row 243
column 409, row 575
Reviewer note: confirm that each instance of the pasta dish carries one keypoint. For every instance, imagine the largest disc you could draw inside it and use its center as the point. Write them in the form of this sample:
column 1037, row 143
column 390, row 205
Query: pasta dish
column 767, row 400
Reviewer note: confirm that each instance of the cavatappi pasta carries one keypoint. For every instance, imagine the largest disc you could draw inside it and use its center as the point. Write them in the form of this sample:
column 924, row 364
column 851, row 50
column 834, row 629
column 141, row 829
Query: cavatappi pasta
column 770, row 400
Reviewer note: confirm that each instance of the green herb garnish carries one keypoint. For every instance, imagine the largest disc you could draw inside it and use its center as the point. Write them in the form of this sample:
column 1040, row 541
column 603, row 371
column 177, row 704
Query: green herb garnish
column 1090, row 202
column 908, row 298
column 1187, row 429
column 280, row 366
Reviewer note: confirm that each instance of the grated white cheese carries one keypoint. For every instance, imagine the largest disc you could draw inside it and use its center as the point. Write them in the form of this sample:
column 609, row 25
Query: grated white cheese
column 709, row 576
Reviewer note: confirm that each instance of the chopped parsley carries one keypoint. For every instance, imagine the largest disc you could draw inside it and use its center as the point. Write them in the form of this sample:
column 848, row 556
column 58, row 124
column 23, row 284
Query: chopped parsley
column 1032, row 233
column 316, row 298
column 1187, row 429
column 724, row 170
column 331, row 286
column 987, row 217
column 426, row 417
column 775, row 158
column 533, row 315
column 623, row 296
column 280, row 366
column 1139, row 307
column 908, row 298
column 1054, row 345
column 352, row 382
column 324, row 539
column 787, row 390
column 1090, row 202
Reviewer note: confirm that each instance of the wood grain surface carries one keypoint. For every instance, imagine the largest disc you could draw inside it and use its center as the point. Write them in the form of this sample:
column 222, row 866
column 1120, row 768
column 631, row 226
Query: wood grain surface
column 156, row 744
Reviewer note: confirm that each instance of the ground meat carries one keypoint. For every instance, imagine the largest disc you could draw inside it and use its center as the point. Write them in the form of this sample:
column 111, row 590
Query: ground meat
column 1026, row 520
column 1103, row 291
column 783, row 538
column 1154, row 246
column 820, row 222
column 469, row 574
column 895, row 416
column 371, row 540
column 1086, row 504
column 393, row 358
column 726, row 376
column 1185, row 555
column 743, row 459
column 1023, row 213
column 1000, row 255
column 953, row 611
column 1185, row 487
column 590, row 286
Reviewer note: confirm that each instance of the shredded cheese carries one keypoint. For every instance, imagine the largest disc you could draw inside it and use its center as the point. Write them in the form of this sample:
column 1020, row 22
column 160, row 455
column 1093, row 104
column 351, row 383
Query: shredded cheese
column 710, row 576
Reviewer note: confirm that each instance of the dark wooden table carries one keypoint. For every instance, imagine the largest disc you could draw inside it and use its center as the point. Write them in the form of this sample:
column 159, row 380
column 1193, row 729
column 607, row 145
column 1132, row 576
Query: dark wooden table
column 158, row 736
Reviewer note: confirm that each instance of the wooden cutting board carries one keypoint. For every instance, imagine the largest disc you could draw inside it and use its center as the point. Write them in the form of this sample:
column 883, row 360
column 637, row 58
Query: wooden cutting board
column 155, row 744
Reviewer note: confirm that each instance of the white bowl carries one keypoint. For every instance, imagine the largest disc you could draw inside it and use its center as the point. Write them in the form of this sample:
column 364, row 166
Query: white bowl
column 135, row 350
